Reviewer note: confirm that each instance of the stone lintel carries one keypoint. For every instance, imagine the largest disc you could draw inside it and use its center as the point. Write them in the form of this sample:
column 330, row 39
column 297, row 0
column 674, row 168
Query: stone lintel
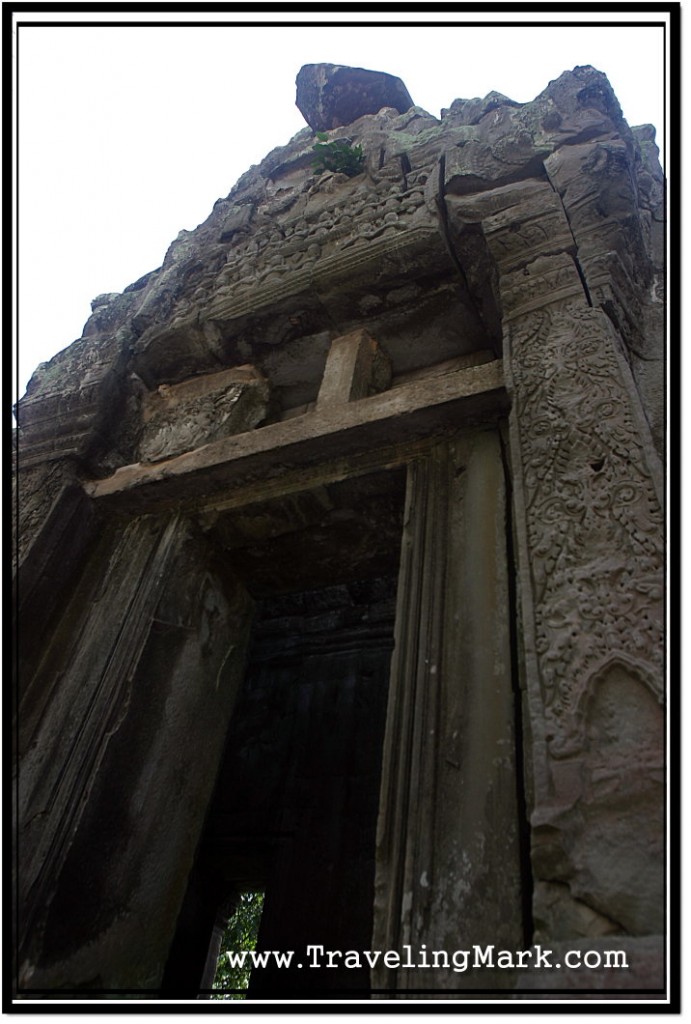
column 355, row 368
column 462, row 397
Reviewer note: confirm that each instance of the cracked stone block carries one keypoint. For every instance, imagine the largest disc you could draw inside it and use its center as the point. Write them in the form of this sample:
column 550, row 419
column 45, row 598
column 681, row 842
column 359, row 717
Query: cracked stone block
column 178, row 418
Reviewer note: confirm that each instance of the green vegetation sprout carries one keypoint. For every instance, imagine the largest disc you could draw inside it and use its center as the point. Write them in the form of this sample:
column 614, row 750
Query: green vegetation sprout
column 240, row 934
column 339, row 156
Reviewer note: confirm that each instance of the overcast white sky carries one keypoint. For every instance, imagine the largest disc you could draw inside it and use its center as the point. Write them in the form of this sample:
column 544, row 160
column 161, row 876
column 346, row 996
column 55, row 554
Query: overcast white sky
column 127, row 135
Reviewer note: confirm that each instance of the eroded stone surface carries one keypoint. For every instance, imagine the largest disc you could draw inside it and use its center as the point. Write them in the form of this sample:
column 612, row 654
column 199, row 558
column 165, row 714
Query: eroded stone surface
column 330, row 96
column 181, row 417
column 607, row 965
column 356, row 367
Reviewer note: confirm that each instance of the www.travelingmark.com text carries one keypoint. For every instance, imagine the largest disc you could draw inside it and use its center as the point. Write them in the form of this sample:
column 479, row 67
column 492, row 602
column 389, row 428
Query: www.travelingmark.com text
column 458, row 960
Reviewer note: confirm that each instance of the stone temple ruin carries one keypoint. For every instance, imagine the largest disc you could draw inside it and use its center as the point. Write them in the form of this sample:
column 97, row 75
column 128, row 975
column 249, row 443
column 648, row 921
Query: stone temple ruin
column 340, row 568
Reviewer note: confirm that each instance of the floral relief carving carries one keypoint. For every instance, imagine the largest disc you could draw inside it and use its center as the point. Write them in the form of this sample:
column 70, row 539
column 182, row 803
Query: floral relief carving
column 202, row 410
column 281, row 249
column 593, row 519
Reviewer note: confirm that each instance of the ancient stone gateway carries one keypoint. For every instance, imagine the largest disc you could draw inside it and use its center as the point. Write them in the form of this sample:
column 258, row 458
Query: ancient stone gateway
column 340, row 569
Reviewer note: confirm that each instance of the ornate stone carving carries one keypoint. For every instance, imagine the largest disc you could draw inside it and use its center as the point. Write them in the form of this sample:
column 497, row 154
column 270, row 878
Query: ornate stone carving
column 617, row 250
column 292, row 257
column 356, row 216
column 186, row 416
column 593, row 517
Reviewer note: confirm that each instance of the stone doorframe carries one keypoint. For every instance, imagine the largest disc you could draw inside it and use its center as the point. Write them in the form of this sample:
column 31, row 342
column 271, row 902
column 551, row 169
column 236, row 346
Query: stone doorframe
column 451, row 824
column 582, row 466
column 438, row 425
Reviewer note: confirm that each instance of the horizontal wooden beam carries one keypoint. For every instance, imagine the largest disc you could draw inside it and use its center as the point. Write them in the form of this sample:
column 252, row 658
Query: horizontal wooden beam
column 461, row 397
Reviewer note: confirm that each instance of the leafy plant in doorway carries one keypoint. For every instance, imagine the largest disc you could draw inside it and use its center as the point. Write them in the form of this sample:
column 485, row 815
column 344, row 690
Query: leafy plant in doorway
column 240, row 936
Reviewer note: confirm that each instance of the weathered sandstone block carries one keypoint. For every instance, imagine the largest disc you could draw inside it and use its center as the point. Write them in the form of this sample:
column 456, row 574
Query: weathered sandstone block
column 329, row 96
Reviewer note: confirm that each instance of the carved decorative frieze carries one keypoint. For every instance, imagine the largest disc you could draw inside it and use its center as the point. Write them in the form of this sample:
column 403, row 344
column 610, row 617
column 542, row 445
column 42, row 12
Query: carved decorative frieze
column 594, row 524
column 379, row 255
column 280, row 264
column 286, row 243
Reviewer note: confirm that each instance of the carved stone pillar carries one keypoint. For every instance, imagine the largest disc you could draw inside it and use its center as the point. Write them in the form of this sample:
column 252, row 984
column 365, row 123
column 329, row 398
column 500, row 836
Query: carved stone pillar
column 448, row 872
column 589, row 545
column 590, row 552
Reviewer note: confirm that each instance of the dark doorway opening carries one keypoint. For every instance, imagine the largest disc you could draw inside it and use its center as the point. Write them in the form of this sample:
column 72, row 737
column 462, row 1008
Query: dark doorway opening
column 296, row 801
